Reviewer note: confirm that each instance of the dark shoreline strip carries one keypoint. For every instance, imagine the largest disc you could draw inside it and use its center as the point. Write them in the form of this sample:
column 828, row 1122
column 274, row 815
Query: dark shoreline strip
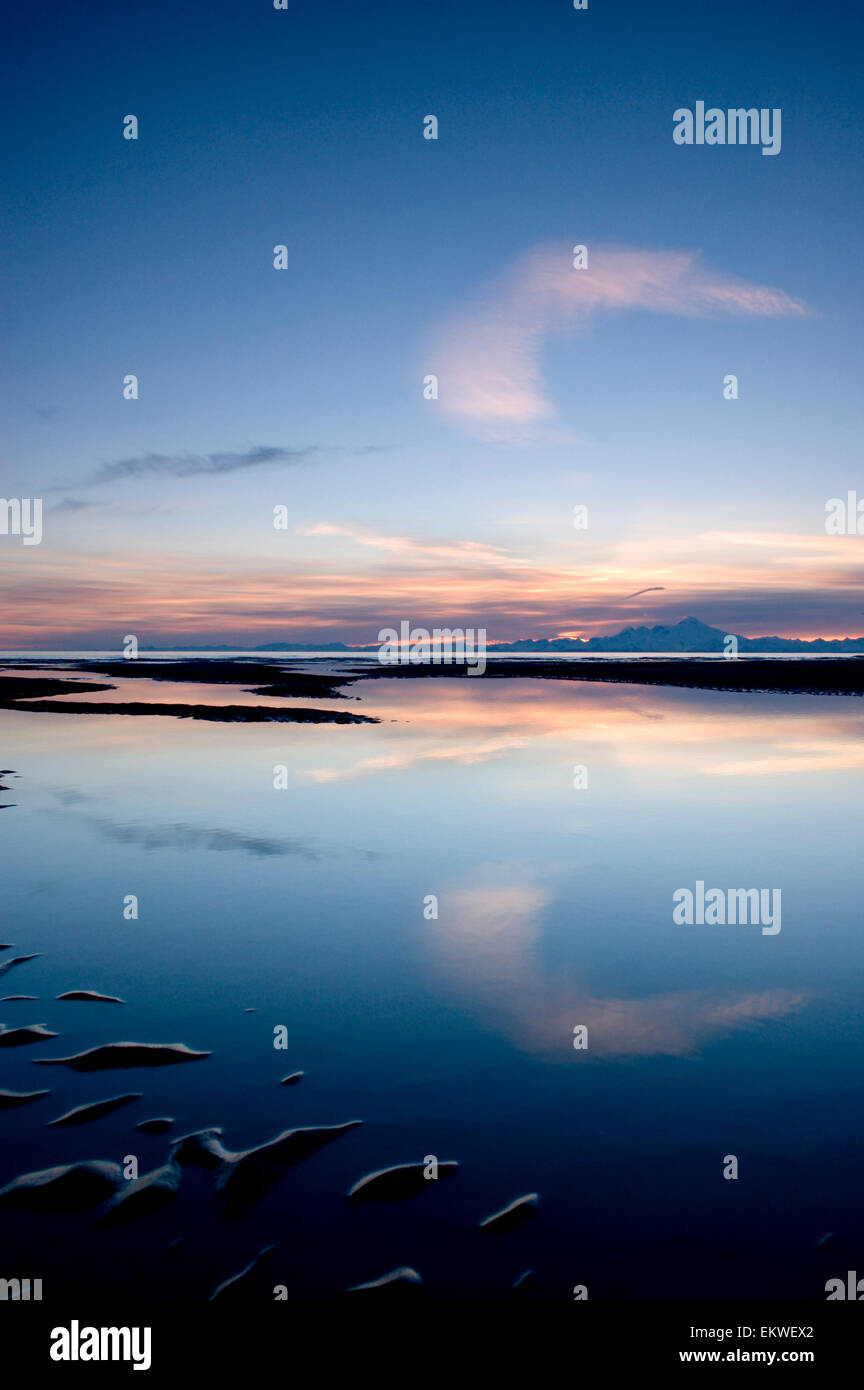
column 843, row 676
column 746, row 674
column 219, row 714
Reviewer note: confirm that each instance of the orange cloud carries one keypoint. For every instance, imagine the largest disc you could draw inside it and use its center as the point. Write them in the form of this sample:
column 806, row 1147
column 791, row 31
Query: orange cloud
column 285, row 588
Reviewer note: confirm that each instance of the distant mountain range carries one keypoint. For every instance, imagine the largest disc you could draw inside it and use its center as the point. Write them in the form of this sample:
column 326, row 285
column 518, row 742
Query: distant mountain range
column 688, row 635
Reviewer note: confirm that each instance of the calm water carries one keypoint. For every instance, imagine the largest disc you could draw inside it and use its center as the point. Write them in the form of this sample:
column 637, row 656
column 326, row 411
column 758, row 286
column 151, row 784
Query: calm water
column 453, row 1036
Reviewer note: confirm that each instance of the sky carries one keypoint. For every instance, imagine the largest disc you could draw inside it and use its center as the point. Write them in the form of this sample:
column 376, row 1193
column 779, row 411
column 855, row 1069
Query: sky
column 300, row 391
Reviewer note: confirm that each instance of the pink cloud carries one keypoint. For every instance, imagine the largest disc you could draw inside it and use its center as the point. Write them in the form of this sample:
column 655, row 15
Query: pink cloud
column 486, row 354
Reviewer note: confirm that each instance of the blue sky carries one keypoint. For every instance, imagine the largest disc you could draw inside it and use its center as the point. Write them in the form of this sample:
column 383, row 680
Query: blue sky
column 305, row 128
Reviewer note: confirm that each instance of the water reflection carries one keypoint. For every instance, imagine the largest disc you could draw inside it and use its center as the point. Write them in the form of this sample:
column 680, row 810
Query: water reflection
column 304, row 907
column 487, row 949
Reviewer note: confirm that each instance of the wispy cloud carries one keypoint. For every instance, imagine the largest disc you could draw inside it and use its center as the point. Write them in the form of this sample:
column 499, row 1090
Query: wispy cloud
column 190, row 837
column 70, row 504
column 796, row 586
column 486, row 354
column 478, row 552
column 185, row 837
column 196, row 465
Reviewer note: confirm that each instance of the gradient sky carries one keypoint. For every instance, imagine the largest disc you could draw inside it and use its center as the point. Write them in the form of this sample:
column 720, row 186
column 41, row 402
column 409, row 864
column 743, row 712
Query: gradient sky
column 304, row 387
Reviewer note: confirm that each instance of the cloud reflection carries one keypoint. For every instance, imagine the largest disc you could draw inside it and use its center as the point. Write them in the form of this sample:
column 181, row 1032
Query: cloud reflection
column 487, row 942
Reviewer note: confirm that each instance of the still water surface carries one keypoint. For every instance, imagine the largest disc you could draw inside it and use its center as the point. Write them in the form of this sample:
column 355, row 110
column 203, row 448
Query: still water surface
column 451, row 1036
